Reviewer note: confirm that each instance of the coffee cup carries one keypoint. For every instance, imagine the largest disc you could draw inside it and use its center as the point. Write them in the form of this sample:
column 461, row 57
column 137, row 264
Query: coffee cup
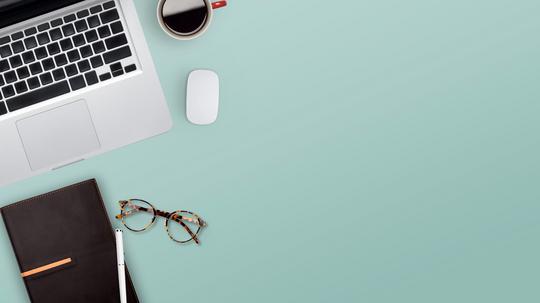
column 186, row 19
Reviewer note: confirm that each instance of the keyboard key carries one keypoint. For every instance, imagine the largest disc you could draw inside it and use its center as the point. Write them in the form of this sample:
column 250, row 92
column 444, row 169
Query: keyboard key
column 108, row 5
column 69, row 18
column 91, row 78
column 109, row 16
column 17, row 35
column 117, row 73
column 30, row 31
column 21, row 87
column 46, row 78
column 78, row 40
column 2, row 82
column 116, row 41
column 66, row 44
column 104, row 31
column 105, row 77
column 28, row 57
column 93, row 21
column 68, row 30
column 116, row 66
column 23, row 72
column 96, row 61
column 83, row 66
column 30, row 42
column 43, row 38
column 91, row 36
column 33, row 82
column 117, row 27
column 81, row 26
column 35, row 68
column 53, row 48
column 38, row 95
column 10, row 77
column 55, row 34
column 8, row 91
column 60, row 60
column 73, row 55
column 77, row 82
column 3, row 109
column 56, row 22
column 58, row 74
column 83, row 13
column 86, row 51
column 131, row 68
column 4, row 40
column 98, row 47
column 43, row 27
column 71, row 70
column 41, row 52
column 5, row 51
column 117, row 54
column 96, row 9
column 15, row 61
column 48, row 64
column 4, row 66
column 17, row 47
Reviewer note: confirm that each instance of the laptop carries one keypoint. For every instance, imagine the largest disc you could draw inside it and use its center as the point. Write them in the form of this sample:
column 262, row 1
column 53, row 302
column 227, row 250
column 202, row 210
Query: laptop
column 76, row 80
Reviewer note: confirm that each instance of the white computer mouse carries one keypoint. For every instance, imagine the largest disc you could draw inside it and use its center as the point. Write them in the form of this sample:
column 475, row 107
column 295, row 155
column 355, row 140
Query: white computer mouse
column 202, row 101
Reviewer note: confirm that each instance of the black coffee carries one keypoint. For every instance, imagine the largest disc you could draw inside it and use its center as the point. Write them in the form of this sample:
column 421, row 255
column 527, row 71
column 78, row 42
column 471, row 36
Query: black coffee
column 184, row 17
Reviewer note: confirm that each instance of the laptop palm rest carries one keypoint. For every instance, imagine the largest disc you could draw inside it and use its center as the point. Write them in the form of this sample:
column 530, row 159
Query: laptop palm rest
column 59, row 135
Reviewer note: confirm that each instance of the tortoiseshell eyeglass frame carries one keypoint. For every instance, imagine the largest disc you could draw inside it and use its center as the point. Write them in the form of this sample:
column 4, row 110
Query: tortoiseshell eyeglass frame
column 175, row 216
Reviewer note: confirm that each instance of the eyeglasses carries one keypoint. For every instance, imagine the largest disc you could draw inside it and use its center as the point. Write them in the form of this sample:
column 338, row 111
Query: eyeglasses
column 138, row 215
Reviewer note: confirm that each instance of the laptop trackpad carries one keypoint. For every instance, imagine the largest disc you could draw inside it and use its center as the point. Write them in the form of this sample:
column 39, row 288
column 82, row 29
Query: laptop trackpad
column 58, row 135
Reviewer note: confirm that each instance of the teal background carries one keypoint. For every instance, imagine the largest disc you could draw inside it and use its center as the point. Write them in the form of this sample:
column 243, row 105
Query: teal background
column 366, row 151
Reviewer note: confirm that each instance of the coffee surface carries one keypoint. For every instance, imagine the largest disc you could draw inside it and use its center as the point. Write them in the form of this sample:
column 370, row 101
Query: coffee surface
column 184, row 17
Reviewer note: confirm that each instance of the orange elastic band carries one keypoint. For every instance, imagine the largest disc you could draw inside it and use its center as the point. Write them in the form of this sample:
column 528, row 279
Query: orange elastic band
column 45, row 267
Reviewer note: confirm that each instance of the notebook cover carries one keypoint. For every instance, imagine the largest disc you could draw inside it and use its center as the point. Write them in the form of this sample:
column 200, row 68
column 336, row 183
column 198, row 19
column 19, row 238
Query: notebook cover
column 69, row 224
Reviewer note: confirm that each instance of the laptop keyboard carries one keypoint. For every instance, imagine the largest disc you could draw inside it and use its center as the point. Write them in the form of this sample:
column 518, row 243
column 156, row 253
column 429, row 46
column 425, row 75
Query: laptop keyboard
column 62, row 56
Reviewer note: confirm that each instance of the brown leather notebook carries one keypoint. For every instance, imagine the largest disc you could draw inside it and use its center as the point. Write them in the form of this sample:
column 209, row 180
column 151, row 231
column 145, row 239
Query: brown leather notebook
column 65, row 246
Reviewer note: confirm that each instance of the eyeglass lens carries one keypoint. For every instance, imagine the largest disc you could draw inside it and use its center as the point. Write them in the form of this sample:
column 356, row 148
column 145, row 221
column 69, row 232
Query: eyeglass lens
column 137, row 215
column 182, row 226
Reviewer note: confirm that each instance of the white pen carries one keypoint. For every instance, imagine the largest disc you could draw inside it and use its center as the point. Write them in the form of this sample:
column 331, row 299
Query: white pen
column 121, row 265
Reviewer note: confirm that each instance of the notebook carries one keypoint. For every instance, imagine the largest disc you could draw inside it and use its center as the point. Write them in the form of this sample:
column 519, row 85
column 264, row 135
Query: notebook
column 65, row 246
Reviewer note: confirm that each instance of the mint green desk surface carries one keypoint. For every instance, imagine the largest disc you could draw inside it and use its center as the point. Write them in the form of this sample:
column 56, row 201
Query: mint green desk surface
column 366, row 151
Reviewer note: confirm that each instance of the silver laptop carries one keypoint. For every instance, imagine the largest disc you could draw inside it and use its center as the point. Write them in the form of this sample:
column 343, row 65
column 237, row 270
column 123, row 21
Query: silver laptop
column 76, row 80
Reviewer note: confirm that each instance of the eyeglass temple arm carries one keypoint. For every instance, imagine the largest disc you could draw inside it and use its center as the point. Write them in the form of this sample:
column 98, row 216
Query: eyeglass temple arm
column 160, row 213
column 129, row 212
column 179, row 219
column 193, row 236
column 163, row 214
